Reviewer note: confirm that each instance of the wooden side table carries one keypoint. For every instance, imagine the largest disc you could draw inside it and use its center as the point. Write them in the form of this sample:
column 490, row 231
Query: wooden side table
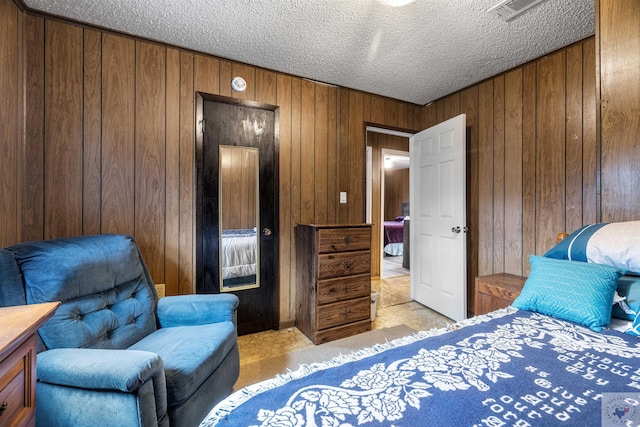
column 496, row 291
column 18, row 361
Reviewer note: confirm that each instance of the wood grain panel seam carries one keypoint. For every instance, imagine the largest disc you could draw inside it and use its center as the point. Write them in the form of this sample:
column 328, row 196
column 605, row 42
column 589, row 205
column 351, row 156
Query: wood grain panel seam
column 10, row 149
column 499, row 172
column 20, row 96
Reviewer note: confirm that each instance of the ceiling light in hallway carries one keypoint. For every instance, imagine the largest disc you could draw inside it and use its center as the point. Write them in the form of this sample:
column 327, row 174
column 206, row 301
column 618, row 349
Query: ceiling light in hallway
column 396, row 3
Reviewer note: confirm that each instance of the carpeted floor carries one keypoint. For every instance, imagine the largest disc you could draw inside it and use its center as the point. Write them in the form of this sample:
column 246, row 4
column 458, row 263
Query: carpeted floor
column 264, row 354
column 392, row 291
column 267, row 368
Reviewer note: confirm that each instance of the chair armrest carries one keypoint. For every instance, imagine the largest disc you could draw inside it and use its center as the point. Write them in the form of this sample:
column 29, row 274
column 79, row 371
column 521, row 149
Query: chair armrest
column 99, row 369
column 190, row 310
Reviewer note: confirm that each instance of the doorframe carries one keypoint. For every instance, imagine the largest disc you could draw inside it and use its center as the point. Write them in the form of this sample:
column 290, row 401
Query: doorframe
column 198, row 265
column 387, row 130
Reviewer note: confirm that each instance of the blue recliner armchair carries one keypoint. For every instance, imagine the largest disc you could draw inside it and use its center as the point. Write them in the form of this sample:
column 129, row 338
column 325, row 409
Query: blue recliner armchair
column 113, row 354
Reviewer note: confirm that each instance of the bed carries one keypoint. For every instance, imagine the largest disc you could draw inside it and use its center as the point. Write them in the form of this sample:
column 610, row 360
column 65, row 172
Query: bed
column 238, row 256
column 560, row 356
column 394, row 237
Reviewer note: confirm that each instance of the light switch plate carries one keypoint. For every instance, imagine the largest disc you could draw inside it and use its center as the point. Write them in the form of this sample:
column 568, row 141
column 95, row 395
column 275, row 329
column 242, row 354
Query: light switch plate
column 343, row 197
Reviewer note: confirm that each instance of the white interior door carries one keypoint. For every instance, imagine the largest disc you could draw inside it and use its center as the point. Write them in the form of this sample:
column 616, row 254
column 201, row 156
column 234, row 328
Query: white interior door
column 438, row 218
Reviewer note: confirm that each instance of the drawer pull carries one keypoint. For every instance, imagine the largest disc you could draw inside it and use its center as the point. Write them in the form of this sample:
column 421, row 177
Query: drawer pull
column 345, row 288
column 3, row 407
column 346, row 264
column 346, row 312
column 347, row 239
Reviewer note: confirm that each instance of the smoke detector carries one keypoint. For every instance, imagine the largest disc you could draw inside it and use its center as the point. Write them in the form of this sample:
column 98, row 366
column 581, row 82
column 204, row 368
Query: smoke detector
column 238, row 84
column 509, row 9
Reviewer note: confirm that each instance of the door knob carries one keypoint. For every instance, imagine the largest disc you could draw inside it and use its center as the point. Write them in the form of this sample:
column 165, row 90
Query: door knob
column 266, row 231
column 456, row 229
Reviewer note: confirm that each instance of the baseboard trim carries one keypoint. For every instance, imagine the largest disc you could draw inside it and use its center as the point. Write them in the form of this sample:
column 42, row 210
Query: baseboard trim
column 287, row 324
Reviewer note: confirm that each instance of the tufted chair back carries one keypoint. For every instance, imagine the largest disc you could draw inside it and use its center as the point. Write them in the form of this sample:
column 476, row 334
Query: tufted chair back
column 107, row 297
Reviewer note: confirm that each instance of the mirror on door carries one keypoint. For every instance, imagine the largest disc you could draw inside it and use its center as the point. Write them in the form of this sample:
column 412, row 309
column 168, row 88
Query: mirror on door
column 239, row 218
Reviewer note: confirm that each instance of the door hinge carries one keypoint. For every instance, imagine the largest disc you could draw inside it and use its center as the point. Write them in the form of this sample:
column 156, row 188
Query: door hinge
column 203, row 123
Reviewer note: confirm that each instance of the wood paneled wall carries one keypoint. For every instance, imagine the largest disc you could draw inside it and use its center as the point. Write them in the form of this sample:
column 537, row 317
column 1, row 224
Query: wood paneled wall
column 98, row 136
column 618, row 33
column 105, row 142
column 379, row 141
column 396, row 192
column 11, row 19
column 531, row 156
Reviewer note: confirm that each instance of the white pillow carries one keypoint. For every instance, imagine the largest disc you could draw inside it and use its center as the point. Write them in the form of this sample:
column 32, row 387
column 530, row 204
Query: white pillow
column 616, row 244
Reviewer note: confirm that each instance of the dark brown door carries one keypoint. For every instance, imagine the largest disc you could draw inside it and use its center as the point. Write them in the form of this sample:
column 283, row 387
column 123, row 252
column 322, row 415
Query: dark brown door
column 232, row 125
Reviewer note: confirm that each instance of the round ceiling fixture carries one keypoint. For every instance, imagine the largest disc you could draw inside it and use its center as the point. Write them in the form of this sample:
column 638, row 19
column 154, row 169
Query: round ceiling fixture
column 238, row 84
column 397, row 3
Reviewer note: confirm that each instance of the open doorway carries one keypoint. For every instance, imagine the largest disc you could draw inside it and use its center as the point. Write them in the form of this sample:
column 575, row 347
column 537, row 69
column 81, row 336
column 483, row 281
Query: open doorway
column 394, row 210
column 387, row 272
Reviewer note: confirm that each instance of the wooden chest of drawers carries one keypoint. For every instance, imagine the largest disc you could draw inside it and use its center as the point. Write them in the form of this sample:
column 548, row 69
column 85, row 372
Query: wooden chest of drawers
column 333, row 292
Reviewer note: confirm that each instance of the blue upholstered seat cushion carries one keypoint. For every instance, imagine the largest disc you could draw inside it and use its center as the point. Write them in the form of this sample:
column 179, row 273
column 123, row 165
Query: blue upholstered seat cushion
column 571, row 290
column 108, row 300
column 190, row 355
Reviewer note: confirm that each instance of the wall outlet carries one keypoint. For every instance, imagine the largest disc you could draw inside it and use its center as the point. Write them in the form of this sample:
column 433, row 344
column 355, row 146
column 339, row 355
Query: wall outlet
column 343, row 197
column 160, row 289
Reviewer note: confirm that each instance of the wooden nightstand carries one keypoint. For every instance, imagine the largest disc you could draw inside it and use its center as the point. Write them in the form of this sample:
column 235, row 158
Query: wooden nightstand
column 18, row 361
column 496, row 291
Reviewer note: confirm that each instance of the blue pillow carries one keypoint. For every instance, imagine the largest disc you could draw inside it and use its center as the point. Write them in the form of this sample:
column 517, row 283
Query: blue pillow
column 629, row 288
column 571, row 290
column 615, row 243
column 574, row 246
column 635, row 329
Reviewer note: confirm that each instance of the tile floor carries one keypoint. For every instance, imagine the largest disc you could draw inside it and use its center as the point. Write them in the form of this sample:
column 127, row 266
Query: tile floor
column 392, row 267
column 394, row 307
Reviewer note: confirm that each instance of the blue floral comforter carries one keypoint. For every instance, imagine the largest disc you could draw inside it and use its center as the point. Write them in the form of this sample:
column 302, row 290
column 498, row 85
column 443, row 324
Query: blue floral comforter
column 508, row 368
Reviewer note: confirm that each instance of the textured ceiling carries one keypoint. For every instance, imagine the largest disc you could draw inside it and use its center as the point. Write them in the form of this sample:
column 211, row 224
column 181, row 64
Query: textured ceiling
column 416, row 53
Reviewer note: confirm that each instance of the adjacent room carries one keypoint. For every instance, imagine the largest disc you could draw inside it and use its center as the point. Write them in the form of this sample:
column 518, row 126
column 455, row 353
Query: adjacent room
column 320, row 213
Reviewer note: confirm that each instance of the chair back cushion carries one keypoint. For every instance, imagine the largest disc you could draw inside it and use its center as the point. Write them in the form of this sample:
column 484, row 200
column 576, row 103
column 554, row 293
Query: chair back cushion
column 108, row 298
column 11, row 288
